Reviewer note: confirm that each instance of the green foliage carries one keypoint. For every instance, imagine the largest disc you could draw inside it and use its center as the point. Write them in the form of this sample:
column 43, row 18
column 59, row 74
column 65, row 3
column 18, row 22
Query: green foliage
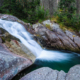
column 29, row 11
column 66, row 14
column 67, row 7
column 41, row 13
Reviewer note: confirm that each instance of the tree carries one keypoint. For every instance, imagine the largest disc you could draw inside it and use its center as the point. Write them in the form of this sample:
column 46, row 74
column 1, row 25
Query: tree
column 78, row 6
column 67, row 7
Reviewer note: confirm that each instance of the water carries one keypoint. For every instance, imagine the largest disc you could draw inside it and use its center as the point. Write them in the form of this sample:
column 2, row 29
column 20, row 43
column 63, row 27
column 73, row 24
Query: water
column 19, row 32
column 59, row 60
column 64, row 65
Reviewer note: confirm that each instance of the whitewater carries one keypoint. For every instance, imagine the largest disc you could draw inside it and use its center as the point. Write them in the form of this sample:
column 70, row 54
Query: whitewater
column 18, row 30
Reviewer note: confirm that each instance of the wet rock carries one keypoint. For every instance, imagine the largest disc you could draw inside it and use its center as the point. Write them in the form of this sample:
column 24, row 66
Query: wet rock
column 6, row 36
column 0, row 40
column 11, row 64
column 20, row 49
column 44, row 73
column 74, row 73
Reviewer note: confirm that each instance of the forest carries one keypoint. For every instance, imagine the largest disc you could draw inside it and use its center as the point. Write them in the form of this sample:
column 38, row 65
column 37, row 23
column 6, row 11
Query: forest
column 31, row 11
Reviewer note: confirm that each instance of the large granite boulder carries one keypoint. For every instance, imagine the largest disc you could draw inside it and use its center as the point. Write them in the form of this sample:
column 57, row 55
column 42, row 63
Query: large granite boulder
column 44, row 73
column 74, row 73
column 56, row 38
column 11, row 64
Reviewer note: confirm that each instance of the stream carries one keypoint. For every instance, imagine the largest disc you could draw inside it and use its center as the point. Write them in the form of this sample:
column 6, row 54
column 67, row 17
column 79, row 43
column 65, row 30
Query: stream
column 59, row 60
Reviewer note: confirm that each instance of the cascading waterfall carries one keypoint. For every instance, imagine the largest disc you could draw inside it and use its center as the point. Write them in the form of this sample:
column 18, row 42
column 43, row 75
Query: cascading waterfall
column 17, row 30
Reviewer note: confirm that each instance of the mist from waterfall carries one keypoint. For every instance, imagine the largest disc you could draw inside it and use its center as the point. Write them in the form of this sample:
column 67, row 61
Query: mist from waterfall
column 17, row 30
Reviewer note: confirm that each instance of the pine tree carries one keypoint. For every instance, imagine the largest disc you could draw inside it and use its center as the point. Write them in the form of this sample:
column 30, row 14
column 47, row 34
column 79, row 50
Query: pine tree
column 67, row 7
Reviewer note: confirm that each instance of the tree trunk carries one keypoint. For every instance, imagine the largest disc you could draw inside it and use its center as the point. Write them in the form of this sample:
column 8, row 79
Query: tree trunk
column 1, row 2
column 78, row 6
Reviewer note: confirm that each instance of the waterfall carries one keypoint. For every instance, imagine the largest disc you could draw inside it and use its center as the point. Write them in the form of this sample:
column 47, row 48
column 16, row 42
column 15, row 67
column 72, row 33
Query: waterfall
column 17, row 30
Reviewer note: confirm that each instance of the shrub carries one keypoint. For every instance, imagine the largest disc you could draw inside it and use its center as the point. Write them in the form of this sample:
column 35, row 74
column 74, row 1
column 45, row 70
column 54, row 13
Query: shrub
column 26, row 10
column 66, row 7
column 66, row 14
column 41, row 13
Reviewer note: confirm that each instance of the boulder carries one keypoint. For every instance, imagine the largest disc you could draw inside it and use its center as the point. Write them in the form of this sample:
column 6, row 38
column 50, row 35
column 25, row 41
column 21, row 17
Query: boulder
column 44, row 73
column 11, row 64
column 61, row 75
column 74, row 73
column 57, row 38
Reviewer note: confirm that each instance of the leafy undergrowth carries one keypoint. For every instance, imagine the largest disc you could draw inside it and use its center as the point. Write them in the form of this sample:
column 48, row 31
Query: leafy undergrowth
column 63, row 26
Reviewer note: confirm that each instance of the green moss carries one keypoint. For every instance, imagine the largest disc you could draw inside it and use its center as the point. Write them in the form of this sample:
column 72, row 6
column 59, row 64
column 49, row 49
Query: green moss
column 3, row 39
column 40, row 21
column 48, row 26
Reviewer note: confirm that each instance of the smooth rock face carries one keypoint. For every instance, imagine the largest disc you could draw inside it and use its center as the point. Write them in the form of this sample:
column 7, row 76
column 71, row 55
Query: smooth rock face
column 44, row 73
column 61, row 75
column 11, row 64
column 74, row 73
